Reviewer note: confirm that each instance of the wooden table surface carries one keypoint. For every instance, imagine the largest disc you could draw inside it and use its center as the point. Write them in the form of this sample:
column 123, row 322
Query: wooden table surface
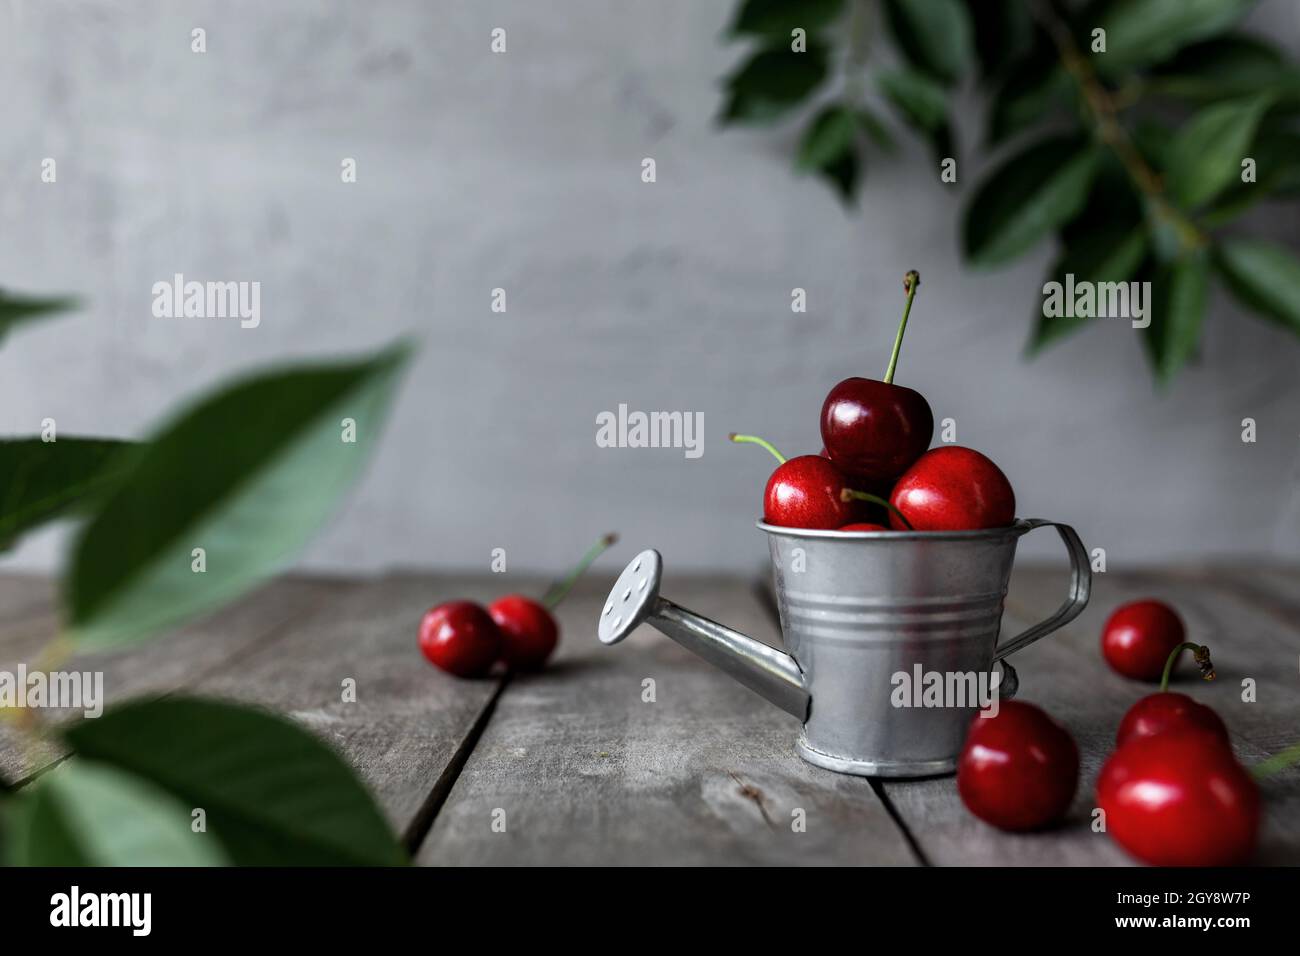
column 584, row 771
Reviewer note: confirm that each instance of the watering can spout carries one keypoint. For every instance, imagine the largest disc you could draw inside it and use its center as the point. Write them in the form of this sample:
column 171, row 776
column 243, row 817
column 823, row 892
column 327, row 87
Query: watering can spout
column 635, row 600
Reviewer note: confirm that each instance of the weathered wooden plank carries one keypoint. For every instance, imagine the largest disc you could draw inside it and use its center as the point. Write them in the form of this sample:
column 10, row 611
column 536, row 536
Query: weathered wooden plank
column 408, row 721
column 588, row 772
column 1249, row 639
column 160, row 665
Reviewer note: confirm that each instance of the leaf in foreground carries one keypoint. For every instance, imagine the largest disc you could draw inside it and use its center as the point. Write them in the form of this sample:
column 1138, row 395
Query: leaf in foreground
column 41, row 481
column 247, row 475
column 20, row 308
column 83, row 813
column 273, row 792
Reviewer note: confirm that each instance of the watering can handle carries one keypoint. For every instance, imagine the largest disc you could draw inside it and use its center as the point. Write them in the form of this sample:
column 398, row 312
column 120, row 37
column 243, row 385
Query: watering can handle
column 1075, row 602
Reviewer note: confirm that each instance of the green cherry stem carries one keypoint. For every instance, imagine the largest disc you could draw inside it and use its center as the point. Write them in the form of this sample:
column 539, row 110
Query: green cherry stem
column 1279, row 761
column 852, row 494
column 1200, row 654
column 559, row 590
column 755, row 440
column 910, row 282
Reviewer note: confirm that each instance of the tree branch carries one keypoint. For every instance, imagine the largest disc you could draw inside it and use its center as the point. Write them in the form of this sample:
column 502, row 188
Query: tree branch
column 1102, row 111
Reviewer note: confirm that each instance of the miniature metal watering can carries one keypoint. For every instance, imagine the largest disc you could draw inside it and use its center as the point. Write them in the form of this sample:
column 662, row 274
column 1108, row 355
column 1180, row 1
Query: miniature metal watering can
column 858, row 609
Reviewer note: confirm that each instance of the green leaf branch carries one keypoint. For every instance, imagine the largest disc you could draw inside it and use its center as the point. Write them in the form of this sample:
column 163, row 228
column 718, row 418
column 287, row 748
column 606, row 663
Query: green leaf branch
column 1119, row 129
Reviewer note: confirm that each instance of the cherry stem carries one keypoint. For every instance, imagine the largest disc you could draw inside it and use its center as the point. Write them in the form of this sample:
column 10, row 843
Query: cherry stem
column 755, row 440
column 910, row 282
column 560, row 589
column 1200, row 653
column 852, row 494
column 1277, row 762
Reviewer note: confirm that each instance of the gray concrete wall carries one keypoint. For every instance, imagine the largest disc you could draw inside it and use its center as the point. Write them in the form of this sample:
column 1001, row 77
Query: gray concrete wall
column 522, row 171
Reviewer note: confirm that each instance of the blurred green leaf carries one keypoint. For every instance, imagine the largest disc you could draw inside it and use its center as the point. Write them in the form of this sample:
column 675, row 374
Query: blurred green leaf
column 1031, row 194
column 83, row 813
column 828, row 137
column 1004, row 33
column 248, row 475
column 934, row 35
column 1153, row 140
column 1177, row 309
column 1110, row 255
column 1026, row 96
column 777, row 18
column 828, row 148
column 1264, row 277
column 772, row 82
column 876, row 130
column 18, row 308
column 1206, row 153
column 273, row 793
column 41, row 481
column 1277, row 174
column 923, row 103
column 1225, row 67
column 1141, row 32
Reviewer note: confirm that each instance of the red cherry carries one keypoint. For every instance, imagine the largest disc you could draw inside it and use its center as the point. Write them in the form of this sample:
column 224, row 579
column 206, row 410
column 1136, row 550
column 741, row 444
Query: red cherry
column 1180, row 799
column 864, row 526
column 807, row 492
column 528, row 631
column 951, row 488
column 1018, row 769
column 1139, row 637
column 460, row 638
column 875, row 430
column 1167, row 712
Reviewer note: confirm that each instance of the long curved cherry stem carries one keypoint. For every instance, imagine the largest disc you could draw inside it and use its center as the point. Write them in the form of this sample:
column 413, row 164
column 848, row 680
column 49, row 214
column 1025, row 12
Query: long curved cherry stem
column 755, row 440
column 560, row 589
column 1278, row 762
column 910, row 282
column 852, row 494
column 1200, row 653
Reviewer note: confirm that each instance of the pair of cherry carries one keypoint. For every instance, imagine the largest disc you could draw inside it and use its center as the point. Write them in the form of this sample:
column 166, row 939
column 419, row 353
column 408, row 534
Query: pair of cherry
column 874, row 466
column 468, row 640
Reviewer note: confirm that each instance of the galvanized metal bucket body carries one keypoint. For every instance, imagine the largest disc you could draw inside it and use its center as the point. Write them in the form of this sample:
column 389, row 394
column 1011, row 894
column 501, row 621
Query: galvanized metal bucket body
column 869, row 615
column 862, row 614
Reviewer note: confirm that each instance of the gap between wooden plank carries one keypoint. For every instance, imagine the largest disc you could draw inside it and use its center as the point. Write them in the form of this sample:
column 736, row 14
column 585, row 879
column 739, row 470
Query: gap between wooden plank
column 423, row 819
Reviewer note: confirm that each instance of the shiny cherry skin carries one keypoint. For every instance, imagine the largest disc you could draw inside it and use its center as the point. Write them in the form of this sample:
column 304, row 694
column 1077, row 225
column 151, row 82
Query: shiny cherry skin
column 864, row 526
column 1180, row 799
column 805, row 493
column 875, row 430
column 1167, row 712
column 528, row 631
column 951, row 488
column 460, row 638
column 1019, row 769
column 1139, row 637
